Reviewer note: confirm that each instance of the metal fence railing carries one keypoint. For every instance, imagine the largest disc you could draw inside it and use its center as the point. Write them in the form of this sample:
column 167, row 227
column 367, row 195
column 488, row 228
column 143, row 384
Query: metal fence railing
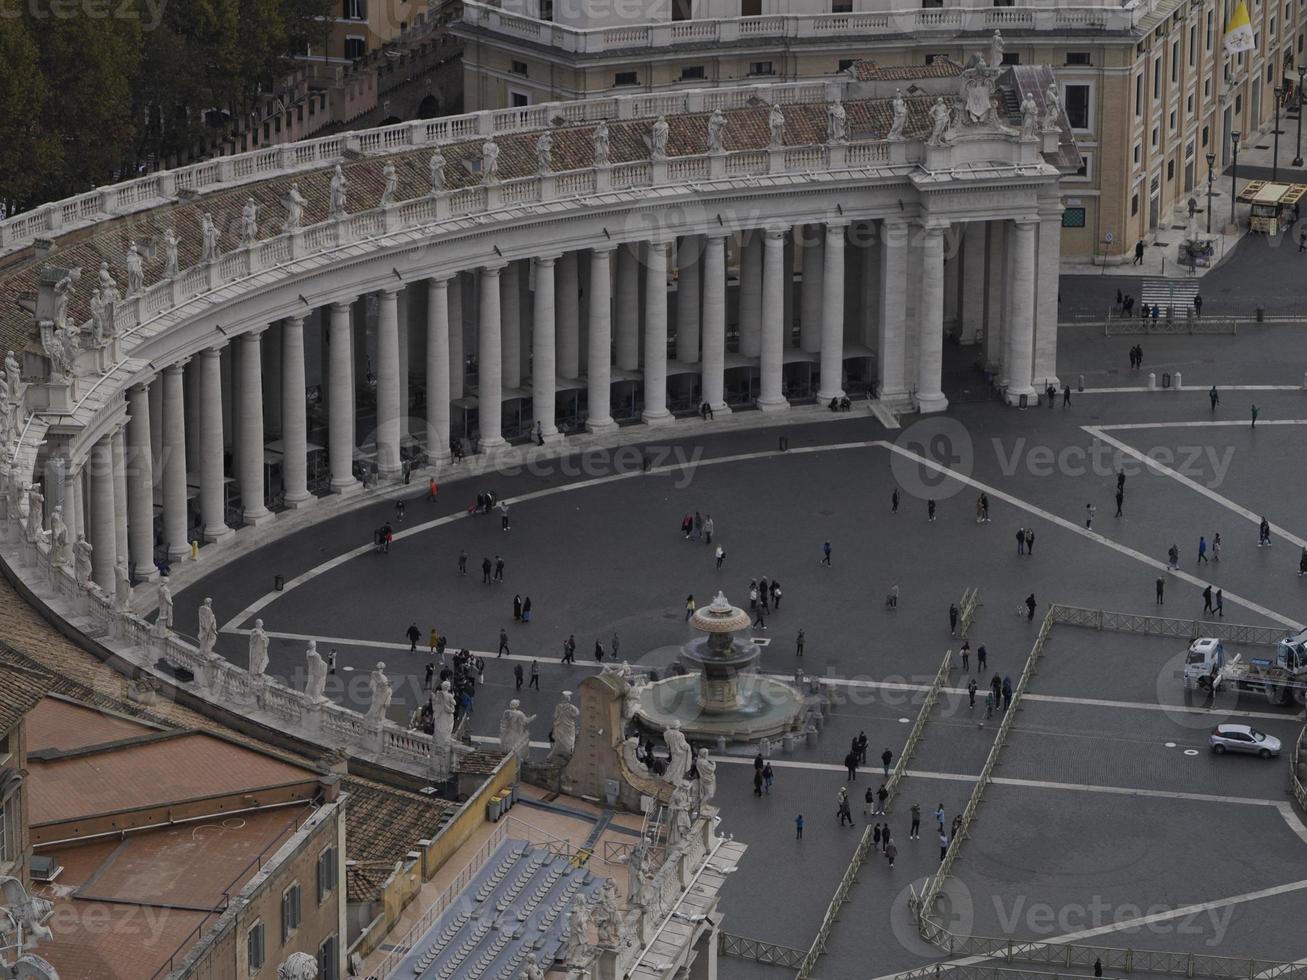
column 865, row 843
column 1297, row 776
column 1162, row 326
column 1186, row 629
column 745, row 948
column 967, row 608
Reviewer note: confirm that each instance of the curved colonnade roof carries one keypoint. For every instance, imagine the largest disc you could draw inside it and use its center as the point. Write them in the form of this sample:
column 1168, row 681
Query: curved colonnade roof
column 573, row 149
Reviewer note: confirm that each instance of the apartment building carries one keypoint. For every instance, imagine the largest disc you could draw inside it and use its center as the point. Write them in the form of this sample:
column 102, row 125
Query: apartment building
column 1146, row 84
column 361, row 27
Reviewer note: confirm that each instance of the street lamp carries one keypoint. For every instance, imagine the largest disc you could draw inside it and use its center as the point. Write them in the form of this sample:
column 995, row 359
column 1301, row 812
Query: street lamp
column 1234, row 177
column 1275, row 158
column 1211, row 163
column 1302, row 71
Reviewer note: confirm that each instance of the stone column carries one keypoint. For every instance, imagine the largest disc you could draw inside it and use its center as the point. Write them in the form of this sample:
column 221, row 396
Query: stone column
column 174, row 463
column 714, row 322
column 140, row 486
column 121, row 546
column 254, row 510
column 456, row 358
column 626, row 316
column 340, row 411
column 213, row 503
column 952, row 281
column 812, row 325
column 388, row 407
column 1021, row 317
column 973, row 281
column 438, row 369
column 191, row 384
column 156, row 433
column 655, row 335
column 1046, row 306
column 599, row 374
column 892, row 338
column 543, row 369
column 772, row 367
column 294, row 416
column 751, row 293
column 688, row 255
column 569, row 317
column 930, row 346
column 401, row 351
column 510, row 330
column 272, row 382
column 490, row 378
column 996, row 274
column 103, row 538
column 74, row 497
column 832, row 315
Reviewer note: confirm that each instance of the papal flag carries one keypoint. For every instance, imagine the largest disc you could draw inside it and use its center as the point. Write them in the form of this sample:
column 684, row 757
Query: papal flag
column 1239, row 32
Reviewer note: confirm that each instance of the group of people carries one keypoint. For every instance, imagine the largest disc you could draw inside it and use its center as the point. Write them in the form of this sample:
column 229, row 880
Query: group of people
column 464, row 672
column 1136, row 355
column 764, row 596
column 697, row 527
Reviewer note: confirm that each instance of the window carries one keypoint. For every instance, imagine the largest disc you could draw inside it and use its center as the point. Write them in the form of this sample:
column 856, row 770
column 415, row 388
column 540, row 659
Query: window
column 328, row 954
column 1207, row 89
column 1171, row 122
column 1175, row 61
column 1193, row 45
column 1189, row 104
column 356, row 9
column 355, row 48
column 1139, row 153
column 1139, row 94
column 519, row 68
column 1077, row 58
column 1204, row 136
column 518, row 100
column 625, row 78
column 760, row 68
column 290, row 911
column 254, row 947
column 750, row 8
column 1170, row 171
column 1156, row 133
column 326, row 874
column 1082, row 171
column 1134, row 205
column 845, row 64
column 1270, row 31
column 1073, row 218
column 681, row 10
column 1011, row 58
column 547, row 10
column 931, row 4
column 1270, row 74
column 841, row 6
column 1157, row 78
column 691, row 73
column 1076, row 100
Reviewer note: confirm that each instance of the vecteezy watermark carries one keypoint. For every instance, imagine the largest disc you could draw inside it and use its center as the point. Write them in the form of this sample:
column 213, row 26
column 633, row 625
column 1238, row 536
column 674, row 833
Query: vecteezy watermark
column 148, row 12
column 1024, row 919
column 1205, row 464
column 938, row 440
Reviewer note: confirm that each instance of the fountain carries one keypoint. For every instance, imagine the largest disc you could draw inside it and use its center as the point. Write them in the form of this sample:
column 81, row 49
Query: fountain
column 722, row 695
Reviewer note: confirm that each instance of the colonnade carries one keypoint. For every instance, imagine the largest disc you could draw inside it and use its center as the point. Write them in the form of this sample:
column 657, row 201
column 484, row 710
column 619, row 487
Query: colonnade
column 695, row 308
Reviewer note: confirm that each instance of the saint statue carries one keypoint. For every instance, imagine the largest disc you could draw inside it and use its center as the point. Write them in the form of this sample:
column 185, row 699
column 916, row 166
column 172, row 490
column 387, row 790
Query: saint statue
column 996, row 46
column 390, row 184
column 544, row 153
column 939, row 122
column 678, row 753
column 58, row 538
column 208, row 238
column 1052, row 107
column 607, row 917
column 135, row 270
column 436, row 170
column 382, row 692
column 776, row 125
column 249, row 222
column 294, row 203
column 716, row 127
column 489, row 161
column 170, row 254
column 317, row 673
column 208, row 628
column 108, row 286
column 63, row 294
column 707, row 778
column 515, row 731
column 1029, row 118
column 900, row 116
column 82, row 552
column 258, row 649
column 837, row 122
column 442, row 731
column 122, row 588
column 576, row 942
column 35, row 513
column 601, row 143
column 678, row 827
column 565, row 716
column 658, row 138
column 338, row 188
column 164, row 619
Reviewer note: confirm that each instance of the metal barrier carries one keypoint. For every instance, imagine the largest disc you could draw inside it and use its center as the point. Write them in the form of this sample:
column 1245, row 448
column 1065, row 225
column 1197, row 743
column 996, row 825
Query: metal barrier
column 1163, row 327
column 1186, row 629
column 760, row 952
column 1296, row 774
column 967, row 607
column 865, row 844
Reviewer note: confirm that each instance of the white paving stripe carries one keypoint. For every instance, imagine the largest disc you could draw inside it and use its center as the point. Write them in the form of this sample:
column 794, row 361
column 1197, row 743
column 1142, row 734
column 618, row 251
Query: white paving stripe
column 1210, row 494
column 1191, row 424
column 1127, row 924
column 1075, row 528
column 1136, row 389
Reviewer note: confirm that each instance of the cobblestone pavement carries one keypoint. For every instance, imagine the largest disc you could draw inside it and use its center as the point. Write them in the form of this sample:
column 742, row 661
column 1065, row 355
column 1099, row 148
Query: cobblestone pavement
column 603, row 554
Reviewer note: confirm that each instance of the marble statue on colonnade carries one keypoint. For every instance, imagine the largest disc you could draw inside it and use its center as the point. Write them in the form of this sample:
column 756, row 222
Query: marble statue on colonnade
column 258, row 650
column 442, row 730
column 316, row 680
column 678, row 754
column 82, row 554
column 249, row 223
column 515, row 730
column 59, row 553
column 837, row 122
column 208, row 238
column 658, row 138
column 776, row 125
column 294, row 203
column 601, row 143
column 382, row 692
column 707, row 770
column 170, row 261
column 996, row 46
column 135, row 270
column 339, row 189
column 544, row 153
column 678, row 820
column 208, row 628
column 607, row 916
column 900, row 116
column 1029, row 118
column 35, row 512
column 1052, row 108
column 390, row 184
column 436, row 171
column 576, row 942
column 940, row 117
column 490, row 161
column 122, row 587
column 163, row 621
column 716, row 128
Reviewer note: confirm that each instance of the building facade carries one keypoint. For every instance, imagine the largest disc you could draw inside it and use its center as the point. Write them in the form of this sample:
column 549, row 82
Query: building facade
column 1147, row 86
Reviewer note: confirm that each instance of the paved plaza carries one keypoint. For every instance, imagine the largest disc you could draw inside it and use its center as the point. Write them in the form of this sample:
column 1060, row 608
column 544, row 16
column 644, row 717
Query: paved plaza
column 1108, row 820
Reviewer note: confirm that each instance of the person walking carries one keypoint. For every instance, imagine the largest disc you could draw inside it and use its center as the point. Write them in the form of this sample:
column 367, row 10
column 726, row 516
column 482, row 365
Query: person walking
column 689, row 607
column 1139, row 253
column 331, row 661
column 1021, row 541
column 953, row 619
column 875, row 837
column 943, row 846
column 1214, row 397
column 707, row 529
column 798, row 644
column 761, row 621
column 517, row 608
column 1220, row 603
column 503, row 643
column 1120, row 499
column 535, row 675
column 1030, row 541
column 894, row 501
column 427, row 676
column 503, row 516
column 842, row 805
column 914, row 832
column 413, row 634
column 399, row 511
column 462, row 561
column 1161, row 587
column 885, row 758
column 851, row 765
column 825, row 553
column 1216, row 546
column 971, row 693
column 982, row 657
column 1207, row 599
column 767, row 777
column 798, row 827
column 984, row 507
column 1198, row 305
column 1264, row 534
column 434, row 639
column 1202, row 550
column 1066, row 396
column 757, row 783
column 569, row 649
column 721, row 555
column 891, row 852
column 1255, row 412
column 499, row 570
column 1173, row 557
column 485, row 570
column 966, row 654
column 882, row 795
column 939, row 817
column 930, row 509
column 599, row 651
column 698, row 526
column 860, row 744
column 518, row 677
column 1089, row 517
column 526, row 610
column 1098, row 962
column 1030, row 608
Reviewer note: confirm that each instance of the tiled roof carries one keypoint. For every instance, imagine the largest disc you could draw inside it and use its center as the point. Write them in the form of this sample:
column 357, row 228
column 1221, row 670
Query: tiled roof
column 20, row 690
column 364, row 879
column 383, row 823
column 63, row 725
column 482, row 762
column 869, row 71
column 573, row 148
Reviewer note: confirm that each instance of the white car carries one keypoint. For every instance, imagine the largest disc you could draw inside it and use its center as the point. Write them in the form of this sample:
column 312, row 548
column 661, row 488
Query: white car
column 1243, row 738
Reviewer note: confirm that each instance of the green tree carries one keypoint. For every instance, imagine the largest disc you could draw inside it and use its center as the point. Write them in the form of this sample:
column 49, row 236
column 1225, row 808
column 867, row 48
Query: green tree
column 28, row 153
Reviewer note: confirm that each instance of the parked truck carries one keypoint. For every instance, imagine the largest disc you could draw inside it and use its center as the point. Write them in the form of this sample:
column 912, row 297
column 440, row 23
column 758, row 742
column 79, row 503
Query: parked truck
column 1283, row 681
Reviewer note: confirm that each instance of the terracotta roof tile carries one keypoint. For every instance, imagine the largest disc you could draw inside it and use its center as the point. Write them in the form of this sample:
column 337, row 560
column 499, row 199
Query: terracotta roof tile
column 21, row 688
column 58, row 724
